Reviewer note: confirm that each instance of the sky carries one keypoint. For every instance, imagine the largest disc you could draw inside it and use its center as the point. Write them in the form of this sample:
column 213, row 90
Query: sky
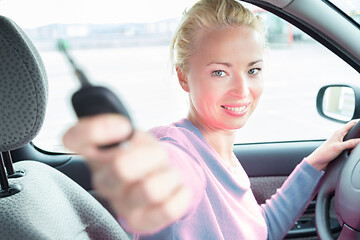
column 35, row 13
column 347, row 5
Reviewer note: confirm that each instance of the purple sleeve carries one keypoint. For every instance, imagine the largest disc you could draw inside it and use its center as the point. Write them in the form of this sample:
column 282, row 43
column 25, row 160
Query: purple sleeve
column 286, row 206
column 190, row 170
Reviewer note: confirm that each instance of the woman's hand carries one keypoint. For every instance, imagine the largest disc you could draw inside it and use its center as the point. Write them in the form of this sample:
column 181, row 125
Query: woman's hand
column 135, row 177
column 332, row 148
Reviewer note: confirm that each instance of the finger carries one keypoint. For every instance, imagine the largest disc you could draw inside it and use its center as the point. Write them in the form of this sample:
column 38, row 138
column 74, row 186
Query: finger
column 106, row 165
column 341, row 132
column 103, row 156
column 119, row 167
column 350, row 144
column 143, row 156
column 349, row 125
column 95, row 131
column 106, row 183
column 145, row 220
column 122, row 152
column 155, row 189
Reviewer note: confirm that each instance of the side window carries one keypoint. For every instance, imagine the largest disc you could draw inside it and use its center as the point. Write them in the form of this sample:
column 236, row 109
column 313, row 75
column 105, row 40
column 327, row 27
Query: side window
column 133, row 60
column 296, row 67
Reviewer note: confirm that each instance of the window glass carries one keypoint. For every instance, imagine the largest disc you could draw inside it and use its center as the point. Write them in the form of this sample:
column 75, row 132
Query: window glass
column 350, row 7
column 130, row 55
column 296, row 68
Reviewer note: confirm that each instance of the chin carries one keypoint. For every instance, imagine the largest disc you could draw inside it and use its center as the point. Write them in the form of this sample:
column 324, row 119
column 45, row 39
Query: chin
column 234, row 125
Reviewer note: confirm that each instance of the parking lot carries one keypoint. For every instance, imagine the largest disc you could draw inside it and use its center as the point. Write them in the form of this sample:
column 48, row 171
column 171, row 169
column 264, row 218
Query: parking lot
column 143, row 78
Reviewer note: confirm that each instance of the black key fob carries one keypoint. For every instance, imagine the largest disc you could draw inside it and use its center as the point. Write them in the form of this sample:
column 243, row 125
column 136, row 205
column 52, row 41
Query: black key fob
column 91, row 100
column 95, row 100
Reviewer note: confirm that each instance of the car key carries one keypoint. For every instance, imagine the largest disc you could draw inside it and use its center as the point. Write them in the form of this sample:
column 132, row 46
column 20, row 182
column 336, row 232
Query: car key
column 92, row 100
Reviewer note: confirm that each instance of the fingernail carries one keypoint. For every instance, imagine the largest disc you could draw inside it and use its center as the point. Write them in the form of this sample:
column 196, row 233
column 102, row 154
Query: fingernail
column 124, row 145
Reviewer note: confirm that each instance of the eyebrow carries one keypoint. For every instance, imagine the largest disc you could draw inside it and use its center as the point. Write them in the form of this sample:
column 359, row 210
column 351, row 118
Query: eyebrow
column 230, row 65
column 255, row 62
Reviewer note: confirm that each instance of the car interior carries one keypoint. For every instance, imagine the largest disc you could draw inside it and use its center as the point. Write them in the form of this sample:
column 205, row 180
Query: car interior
column 47, row 195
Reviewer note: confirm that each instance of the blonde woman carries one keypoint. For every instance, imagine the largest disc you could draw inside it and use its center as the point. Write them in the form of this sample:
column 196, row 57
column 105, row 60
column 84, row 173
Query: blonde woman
column 186, row 183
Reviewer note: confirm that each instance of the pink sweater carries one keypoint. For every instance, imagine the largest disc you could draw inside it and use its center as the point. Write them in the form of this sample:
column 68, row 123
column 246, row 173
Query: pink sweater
column 224, row 206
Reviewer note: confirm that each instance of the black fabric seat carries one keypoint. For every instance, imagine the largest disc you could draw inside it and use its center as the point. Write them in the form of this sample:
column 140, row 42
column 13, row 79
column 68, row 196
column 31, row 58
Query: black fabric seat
column 49, row 205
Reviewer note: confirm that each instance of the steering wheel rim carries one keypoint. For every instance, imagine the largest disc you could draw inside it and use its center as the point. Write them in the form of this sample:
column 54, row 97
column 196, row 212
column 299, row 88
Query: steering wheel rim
column 342, row 179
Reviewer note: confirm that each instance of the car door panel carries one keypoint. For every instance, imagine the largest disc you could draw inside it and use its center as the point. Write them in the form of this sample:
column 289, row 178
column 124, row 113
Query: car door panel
column 268, row 166
column 273, row 159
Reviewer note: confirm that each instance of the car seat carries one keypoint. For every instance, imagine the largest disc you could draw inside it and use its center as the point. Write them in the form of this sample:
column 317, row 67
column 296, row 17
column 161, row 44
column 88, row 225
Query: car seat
column 36, row 200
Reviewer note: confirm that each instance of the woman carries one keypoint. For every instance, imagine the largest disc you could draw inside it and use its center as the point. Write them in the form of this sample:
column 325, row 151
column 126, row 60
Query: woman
column 188, row 184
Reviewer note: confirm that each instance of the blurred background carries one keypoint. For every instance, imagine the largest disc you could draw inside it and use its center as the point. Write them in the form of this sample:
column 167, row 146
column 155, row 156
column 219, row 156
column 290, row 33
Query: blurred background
column 124, row 45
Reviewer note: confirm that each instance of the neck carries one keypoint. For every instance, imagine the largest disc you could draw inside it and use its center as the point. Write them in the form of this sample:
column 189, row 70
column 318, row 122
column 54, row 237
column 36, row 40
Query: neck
column 222, row 141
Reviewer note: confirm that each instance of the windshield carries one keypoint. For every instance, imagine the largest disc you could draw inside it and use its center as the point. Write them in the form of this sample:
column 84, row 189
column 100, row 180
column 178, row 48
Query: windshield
column 350, row 7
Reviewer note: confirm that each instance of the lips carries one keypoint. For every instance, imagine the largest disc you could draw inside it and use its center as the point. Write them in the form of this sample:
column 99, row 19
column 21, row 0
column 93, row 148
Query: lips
column 236, row 110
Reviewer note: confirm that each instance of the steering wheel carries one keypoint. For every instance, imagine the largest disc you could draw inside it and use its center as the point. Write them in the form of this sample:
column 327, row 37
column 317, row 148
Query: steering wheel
column 342, row 179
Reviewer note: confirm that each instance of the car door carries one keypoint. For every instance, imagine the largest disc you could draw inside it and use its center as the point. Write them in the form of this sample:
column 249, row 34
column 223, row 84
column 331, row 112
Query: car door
column 269, row 162
column 284, row 129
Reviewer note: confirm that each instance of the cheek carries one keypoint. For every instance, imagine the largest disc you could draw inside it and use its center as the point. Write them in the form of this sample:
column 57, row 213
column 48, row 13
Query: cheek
column 256, row 90
column 201, row 90
column 203, row 98
column 202, row 95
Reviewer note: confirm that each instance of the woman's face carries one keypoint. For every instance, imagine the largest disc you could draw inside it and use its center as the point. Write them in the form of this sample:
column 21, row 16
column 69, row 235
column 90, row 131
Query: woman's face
column 224, row 79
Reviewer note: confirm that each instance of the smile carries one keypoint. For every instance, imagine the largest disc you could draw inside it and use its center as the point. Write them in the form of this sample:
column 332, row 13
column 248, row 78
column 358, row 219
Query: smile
column 235, row 109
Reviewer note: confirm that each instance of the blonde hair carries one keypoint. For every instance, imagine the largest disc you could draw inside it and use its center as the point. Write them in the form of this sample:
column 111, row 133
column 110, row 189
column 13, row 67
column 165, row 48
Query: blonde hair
column 209, row 14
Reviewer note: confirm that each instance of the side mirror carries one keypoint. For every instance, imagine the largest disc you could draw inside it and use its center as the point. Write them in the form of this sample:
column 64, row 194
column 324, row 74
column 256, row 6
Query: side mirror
column 340, row 103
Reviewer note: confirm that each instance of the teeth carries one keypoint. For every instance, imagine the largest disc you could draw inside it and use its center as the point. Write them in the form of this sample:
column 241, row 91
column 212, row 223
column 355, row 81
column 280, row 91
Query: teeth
column 235, row 109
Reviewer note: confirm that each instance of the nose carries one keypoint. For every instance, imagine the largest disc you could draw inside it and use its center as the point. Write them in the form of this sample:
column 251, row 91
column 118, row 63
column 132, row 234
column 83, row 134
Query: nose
column 239, row 88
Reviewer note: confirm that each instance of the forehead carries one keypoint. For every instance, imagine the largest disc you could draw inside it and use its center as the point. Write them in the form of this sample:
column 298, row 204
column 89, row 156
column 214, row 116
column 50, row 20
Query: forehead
column 230, row 43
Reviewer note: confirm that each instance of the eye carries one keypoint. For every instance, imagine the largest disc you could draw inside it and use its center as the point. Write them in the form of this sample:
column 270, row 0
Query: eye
column 219, row 73
column 254, row 71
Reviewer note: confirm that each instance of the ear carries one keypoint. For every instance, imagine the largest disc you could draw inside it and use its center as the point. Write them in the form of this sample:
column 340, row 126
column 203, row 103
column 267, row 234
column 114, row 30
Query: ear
column 182, row 79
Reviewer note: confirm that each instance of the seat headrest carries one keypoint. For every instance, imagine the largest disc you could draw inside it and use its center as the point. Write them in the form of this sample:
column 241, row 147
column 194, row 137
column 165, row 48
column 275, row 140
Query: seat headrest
column 23, row 87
